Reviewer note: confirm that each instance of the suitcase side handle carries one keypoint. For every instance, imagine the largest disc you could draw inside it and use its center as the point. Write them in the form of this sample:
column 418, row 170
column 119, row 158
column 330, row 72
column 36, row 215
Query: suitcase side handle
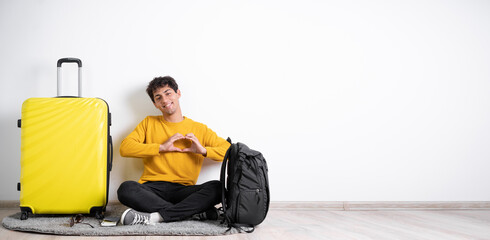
column 70, row 60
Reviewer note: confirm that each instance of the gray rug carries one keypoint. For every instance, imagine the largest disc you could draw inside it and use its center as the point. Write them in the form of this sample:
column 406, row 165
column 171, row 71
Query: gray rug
column 60, row 225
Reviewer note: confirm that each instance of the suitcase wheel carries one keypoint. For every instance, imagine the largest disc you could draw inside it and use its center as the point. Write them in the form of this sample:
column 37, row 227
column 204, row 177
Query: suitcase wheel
column 24, row 215
column 99, row 215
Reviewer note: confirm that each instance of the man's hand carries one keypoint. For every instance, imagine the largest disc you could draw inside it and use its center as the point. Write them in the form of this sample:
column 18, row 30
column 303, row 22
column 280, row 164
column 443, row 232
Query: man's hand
column 196, row 146
column 168, row 146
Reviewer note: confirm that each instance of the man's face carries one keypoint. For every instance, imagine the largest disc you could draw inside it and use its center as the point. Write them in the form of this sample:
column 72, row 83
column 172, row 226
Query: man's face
column 166, row 100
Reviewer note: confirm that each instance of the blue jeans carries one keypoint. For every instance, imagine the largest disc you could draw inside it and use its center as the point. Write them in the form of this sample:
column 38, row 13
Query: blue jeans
column 172, row 200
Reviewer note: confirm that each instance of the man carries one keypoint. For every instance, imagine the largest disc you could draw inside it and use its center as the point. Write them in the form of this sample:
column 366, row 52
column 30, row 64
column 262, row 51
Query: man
column 172, row 147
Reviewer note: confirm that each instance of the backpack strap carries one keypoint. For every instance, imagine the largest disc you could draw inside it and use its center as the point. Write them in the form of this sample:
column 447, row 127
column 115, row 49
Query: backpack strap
column 242, row 227
column 223, row 180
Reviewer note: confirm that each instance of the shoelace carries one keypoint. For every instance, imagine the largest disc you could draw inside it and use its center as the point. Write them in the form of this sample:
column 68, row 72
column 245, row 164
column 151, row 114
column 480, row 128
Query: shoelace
column 140, row 219
column 201, row 216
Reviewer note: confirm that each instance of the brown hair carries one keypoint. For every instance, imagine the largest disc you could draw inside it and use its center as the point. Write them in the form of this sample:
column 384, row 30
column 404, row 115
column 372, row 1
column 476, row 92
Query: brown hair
column 160, row 82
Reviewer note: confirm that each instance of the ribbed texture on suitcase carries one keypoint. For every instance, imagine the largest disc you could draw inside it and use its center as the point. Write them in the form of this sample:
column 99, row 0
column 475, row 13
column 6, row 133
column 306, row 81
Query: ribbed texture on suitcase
column 63, row 154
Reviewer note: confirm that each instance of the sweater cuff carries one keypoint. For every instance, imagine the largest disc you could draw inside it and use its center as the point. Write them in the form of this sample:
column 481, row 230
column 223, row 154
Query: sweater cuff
column 155, row 149
column 212, row 154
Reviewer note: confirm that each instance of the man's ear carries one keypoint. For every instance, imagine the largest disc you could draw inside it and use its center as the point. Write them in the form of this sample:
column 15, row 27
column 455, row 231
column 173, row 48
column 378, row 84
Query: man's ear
column 178, row 92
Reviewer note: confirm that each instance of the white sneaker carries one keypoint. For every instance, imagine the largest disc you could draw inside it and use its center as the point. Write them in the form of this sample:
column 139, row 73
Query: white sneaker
column 133, row 217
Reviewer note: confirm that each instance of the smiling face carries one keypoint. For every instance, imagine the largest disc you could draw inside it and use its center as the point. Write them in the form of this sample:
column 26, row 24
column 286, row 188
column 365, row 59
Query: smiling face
column 167, row 100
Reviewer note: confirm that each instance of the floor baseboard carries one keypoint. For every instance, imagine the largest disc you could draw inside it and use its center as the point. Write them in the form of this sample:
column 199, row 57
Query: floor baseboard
column 381, row 205
column 348, row 205
column 415, row 205
column 9, row 204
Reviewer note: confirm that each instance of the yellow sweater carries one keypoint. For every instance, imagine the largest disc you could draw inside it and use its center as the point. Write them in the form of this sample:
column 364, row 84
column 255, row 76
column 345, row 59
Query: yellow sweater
column 144, row 142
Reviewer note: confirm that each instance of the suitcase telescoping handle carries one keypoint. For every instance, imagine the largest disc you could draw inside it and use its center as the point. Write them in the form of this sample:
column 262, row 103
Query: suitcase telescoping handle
column 70, row 60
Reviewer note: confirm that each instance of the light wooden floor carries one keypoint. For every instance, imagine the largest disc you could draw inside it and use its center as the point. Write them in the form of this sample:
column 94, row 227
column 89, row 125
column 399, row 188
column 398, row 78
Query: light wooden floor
column 303, row 224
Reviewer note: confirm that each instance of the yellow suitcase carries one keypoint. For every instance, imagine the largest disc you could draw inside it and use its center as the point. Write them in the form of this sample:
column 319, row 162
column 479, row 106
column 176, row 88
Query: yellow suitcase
column 66, row 154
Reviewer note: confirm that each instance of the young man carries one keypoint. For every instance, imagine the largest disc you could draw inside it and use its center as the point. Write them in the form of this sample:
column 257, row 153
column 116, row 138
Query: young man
column 172, row 147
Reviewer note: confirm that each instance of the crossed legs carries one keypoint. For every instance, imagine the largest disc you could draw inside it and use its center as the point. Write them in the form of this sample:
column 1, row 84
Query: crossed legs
column 173, row 201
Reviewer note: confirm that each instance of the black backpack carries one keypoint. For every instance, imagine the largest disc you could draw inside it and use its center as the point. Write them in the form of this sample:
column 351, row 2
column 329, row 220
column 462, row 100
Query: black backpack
column 245, row 191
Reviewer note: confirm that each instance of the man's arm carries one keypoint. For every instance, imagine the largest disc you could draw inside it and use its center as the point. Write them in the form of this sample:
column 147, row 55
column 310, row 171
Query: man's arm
column 134, row 144
column 215, row 146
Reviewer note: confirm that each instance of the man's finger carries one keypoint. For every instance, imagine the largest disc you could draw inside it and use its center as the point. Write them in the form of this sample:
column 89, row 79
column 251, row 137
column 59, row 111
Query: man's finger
column 175, row 149
column 191, row 137
column 176, row 137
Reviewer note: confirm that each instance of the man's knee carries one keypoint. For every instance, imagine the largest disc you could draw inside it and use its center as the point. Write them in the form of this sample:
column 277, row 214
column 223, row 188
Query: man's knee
column 215, row 187
column 126, row 189
column 216, row 184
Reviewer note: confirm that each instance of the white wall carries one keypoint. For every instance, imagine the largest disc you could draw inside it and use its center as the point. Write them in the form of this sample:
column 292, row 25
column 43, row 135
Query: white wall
column 348, row 100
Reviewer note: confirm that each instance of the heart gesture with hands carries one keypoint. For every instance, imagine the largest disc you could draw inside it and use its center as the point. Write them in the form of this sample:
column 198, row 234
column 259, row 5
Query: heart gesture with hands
column 196, row 147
